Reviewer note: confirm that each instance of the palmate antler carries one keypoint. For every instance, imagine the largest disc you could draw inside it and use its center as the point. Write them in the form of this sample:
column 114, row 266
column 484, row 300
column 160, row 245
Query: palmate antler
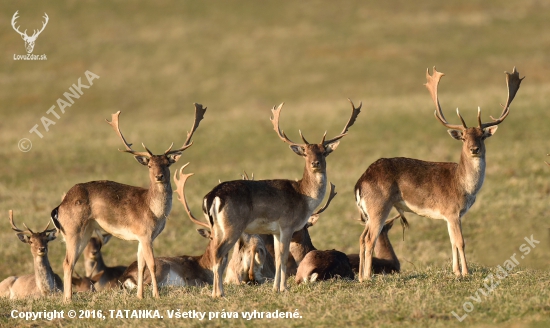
column 513, row 82
column 180, row 185
column 199, row 115
column 275, row 120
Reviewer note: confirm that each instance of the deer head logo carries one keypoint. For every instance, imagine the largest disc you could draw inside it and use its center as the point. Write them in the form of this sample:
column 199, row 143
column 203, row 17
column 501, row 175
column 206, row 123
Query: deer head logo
column 29, row 40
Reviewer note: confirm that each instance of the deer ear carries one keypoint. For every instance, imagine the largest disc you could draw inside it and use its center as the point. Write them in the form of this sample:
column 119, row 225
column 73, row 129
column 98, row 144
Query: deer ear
column 23, row 237
column 455, row 134
column 96, row 278
column 172, row 158
column 298, row 150
column 106, row 237
column 331, row 147
column 488, row 132
column 143, row 160
column 204, row 233
column 51, row 236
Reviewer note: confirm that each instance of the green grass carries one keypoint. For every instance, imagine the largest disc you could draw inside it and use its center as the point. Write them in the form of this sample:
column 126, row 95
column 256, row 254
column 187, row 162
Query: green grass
column 239, row 58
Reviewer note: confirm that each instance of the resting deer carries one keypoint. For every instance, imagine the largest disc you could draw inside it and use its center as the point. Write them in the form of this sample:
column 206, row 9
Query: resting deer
column 320, row 265
column 432, row 189
column 277, row 207
column 44, row 281
column 85, row 284
column 314, row 264
column 94, row 264
column 385, row 259
column 247, row 262
column 126, row 212
column 197, row 270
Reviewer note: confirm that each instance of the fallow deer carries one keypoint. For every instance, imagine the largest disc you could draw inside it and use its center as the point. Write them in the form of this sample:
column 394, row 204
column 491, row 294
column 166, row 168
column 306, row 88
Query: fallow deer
column 247, row 262
column 44, row 281
column 320, row 265
column 197, row 270
column 432, row 189
column 126, row 212
column 385, row 260
column 85, row 284
column 277, row 207
column 94, row 264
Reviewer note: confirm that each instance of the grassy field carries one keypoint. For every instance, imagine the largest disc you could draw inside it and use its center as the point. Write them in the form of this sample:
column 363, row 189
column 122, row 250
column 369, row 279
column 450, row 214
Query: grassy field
column 239, row 58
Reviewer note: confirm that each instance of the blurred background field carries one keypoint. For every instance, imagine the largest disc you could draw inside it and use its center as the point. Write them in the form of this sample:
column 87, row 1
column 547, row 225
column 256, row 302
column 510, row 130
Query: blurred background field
column 240, row 58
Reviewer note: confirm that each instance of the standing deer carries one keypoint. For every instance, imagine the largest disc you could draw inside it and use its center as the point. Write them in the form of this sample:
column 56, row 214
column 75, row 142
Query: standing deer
column 277, row 207
column 126, row 212
column 44, row 281
column 187, row 270
column 94, row 264
column 432, row 189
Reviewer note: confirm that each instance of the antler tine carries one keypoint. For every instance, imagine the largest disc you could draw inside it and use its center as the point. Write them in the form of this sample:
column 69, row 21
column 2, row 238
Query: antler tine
column 431, row 85
column 127, row 145
column 461, row 119
column 275, row 120
column 47, row 226
column 354, row 113
column 24, row 225
column 245, row 176
column 199, row 115
column 330, row 197
column 13, row 226
column 180, row 184
column 547, row 162
column 302, row 136
column 513, row 82
column 147, row 149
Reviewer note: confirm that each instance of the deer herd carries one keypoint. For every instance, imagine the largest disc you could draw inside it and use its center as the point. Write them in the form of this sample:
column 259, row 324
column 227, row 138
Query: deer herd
column 265, row 222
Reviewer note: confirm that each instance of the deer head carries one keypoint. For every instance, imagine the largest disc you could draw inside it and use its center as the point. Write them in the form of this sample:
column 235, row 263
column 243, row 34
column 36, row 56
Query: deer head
column 37, row 240
column 29, row 40
column 314, row 154
column 473, row 138
column 159, row 171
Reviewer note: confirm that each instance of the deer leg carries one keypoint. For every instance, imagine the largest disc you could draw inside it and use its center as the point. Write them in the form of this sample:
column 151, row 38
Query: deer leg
column 149, row 257
column 220, row 263
column 74, row 243
column 362, row 253
column 140, row 271
column 373, row 228
column 282, row 246
column 278, row 263
column 457, row 245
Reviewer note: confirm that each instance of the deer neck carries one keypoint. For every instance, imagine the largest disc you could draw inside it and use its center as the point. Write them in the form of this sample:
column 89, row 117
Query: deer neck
column 44, row 276
column 301, row 245
column 206, row 262
column 313, row 186
column 471, row 173
column 94, row 267
column 160, row 199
